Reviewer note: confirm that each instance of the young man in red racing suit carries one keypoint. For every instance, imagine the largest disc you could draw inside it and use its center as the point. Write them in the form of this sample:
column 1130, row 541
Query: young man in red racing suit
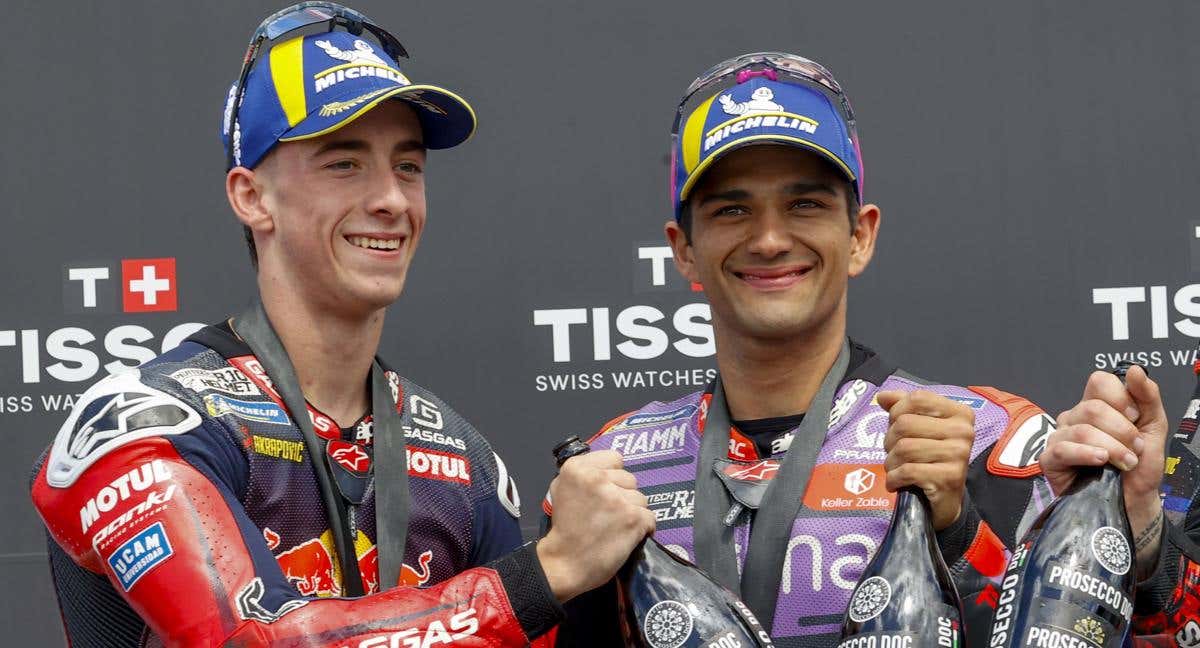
column 769, row 219
column 183, row 502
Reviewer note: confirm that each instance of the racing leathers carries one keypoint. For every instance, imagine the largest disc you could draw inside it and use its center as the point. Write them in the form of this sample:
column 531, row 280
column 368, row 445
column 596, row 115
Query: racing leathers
column 845, row 508
column 183, row 509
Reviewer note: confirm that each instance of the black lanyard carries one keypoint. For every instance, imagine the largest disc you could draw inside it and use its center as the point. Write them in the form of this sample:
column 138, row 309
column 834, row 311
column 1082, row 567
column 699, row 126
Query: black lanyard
column 772, row 525
column 391, row 492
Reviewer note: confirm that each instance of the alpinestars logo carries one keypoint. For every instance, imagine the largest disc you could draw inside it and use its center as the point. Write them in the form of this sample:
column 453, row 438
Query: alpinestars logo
column 250, row 608
column 123, row 412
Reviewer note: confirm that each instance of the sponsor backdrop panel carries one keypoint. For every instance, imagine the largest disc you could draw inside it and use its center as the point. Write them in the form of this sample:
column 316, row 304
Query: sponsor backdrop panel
column 1034, row 162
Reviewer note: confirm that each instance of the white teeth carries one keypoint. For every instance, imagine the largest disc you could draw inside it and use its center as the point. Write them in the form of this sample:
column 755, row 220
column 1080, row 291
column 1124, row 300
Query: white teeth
column 374, row 243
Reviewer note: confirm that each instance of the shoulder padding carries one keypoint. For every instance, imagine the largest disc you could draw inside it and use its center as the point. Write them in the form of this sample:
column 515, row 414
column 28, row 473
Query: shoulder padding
column 115, row 411
column 1019, row 446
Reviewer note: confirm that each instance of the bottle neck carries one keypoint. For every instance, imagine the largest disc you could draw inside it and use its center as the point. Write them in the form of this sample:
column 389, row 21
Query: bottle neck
column 912, row 519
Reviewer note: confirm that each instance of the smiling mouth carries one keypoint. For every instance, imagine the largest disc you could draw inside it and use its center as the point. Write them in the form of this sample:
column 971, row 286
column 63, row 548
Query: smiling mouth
column 369, row 243
column 773, row 278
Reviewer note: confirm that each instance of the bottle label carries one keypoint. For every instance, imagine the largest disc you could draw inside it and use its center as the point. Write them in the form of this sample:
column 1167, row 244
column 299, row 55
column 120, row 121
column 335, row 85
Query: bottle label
column 667, row 625
column 1054, row 624
column 1111, row 550
column 1062, row 576
column 870, row 598
column 1003, row 618
column 883, row 640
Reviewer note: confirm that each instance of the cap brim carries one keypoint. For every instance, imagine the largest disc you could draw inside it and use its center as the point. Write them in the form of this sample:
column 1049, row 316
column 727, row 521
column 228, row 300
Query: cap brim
column 447, row 120
column 823, row 152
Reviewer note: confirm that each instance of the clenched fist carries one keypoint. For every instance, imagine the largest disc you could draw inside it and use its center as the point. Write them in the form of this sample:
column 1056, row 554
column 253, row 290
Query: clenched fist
column 1126, row 426
column 928, row 445
column 599, row 517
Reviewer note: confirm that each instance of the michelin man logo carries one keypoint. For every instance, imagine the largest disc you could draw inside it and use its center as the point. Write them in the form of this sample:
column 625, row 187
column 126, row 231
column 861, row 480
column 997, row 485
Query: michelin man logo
column 362, row 52
column 761, row 100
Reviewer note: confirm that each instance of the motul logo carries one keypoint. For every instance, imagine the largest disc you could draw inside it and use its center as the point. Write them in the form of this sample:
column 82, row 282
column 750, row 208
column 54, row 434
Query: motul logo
column 859, row 481
column 433, row 464
column 136, row 480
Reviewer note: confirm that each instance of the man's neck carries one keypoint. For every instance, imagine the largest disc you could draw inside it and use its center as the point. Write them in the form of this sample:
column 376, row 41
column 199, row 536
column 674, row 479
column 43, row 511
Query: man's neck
column 772, row 378
column 331, row 352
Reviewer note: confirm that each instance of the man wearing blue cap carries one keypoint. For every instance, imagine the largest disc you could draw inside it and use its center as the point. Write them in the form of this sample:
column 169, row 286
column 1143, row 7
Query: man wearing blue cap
column 270, row 481
column 779, row 478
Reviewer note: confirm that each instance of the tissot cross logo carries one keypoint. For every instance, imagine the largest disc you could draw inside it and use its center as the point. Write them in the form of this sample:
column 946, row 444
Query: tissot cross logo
column 859, row 481
column 148, row 285
column 122, row 413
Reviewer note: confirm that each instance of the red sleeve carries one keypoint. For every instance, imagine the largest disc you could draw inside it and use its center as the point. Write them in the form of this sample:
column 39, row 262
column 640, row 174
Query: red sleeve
column 181, row 551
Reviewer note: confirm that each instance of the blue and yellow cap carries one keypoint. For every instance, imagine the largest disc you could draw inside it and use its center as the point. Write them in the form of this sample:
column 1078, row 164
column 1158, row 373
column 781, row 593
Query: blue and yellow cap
column 312, row 85
column 757, row 111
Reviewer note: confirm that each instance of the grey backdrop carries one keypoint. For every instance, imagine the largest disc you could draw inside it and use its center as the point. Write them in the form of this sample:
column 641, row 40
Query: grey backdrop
column 1025, row 154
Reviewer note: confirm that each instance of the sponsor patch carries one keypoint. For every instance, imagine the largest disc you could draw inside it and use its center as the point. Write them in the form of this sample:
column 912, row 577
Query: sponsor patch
column 121, row 489
column 970, row 401
column 262, row 411
column 228, row 379
column 649, row 443
column 674, row 505
column 350, row 456
column 847, row 400
column 848, row 487
column 435, row 464
column 115, row 411
column 653, row 418
column 425, row 413
column 140, row 554
column 278, row 448
column 429, row 436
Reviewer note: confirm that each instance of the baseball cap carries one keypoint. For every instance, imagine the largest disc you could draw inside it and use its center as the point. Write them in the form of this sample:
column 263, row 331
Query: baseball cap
column 774, row 98
column 315, row 84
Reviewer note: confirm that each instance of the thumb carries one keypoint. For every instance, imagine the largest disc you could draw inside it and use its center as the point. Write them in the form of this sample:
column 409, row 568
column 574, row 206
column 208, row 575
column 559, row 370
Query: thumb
column 888, row 399
column 1145, row 394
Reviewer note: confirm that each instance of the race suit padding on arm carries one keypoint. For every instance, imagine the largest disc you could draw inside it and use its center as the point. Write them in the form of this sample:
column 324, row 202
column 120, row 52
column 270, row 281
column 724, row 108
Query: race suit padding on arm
column 188, row 560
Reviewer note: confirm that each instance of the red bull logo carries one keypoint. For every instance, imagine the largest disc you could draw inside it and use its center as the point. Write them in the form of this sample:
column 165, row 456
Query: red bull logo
column 410, row 577
column 368, row 566
column 309, row 568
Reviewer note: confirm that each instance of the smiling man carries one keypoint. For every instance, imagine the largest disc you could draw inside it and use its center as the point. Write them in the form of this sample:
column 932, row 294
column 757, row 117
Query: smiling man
column 782, row 483
column 270, row 481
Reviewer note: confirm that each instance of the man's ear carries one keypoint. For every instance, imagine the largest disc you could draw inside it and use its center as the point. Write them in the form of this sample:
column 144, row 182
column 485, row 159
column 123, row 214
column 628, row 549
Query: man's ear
column 245, row 191
column 862, row 238
column 681, row 248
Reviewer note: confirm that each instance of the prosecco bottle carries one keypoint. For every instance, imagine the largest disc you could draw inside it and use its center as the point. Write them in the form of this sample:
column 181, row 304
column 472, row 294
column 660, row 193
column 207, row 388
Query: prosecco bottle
column 664, row 601
column 905, row 597
column 1070, row 580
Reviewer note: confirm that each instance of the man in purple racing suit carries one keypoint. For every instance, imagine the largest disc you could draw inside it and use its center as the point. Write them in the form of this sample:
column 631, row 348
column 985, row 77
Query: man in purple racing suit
column 769, row 218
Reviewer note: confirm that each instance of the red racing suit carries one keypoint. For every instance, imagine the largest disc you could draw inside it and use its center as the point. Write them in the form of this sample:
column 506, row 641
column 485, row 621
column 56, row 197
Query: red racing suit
column 183, row 510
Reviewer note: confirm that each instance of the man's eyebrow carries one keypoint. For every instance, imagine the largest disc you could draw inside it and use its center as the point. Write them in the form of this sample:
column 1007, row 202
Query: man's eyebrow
column 349, row 145
column 811, row 187
column 409, row 145
column 730, row 195
column 358, row 145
